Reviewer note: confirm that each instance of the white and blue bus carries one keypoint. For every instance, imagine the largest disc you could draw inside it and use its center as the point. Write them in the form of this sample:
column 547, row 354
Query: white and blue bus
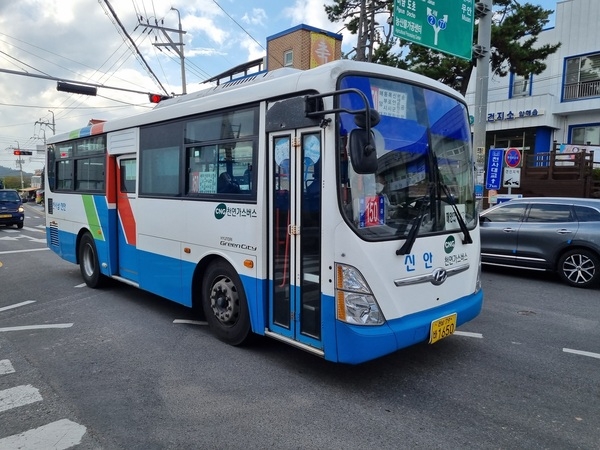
column 332, row 209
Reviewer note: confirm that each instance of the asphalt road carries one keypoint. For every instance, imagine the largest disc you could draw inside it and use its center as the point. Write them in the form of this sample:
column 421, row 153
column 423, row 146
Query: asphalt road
column 115, row 369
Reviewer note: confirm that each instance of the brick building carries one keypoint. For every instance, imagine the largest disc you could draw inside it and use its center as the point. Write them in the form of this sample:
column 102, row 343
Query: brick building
column 303, row 47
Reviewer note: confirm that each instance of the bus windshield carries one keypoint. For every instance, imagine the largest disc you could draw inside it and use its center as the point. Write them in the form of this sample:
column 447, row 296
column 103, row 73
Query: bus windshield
column 424, row 174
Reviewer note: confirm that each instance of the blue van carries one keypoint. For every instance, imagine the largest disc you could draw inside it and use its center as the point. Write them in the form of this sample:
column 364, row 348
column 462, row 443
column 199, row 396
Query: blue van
column 11, row 208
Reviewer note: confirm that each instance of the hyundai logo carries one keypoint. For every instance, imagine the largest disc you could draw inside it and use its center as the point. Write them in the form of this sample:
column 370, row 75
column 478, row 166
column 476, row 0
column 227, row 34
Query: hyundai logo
column 438, row 276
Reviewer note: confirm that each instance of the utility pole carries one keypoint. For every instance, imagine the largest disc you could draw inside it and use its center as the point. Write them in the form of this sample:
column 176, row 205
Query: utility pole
column 176, row 46
column 45, row 123
column 483, row 10
column 20, row 161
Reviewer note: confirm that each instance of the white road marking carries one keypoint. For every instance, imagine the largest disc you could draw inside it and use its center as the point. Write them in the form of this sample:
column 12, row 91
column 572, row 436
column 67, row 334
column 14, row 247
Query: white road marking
column 37, row 327
column 191, row 322
column 469, row 334
column 58, row 435
column 80, row 285
column 24, row 251
column 6, row 367
column 37, row 230
column 581, row 352
column 18, row 396
column 16, row 305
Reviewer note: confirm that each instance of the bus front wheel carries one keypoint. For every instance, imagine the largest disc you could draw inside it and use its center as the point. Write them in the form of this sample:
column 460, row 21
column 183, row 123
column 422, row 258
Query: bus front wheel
column 88, row 262
column 224, row 304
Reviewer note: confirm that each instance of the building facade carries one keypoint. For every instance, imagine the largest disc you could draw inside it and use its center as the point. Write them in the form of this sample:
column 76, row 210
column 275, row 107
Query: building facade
column 558, row 109
column 303, row 47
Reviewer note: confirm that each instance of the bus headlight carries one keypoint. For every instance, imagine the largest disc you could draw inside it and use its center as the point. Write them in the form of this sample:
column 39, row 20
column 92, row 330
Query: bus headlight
column 355, row 302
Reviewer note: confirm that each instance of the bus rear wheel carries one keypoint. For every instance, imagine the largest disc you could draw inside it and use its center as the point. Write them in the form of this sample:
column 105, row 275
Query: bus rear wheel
column 224, row 304
column 88, row 262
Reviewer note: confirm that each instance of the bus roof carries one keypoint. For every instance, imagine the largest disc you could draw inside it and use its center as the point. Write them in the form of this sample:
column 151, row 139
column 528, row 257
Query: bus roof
column 260, row 86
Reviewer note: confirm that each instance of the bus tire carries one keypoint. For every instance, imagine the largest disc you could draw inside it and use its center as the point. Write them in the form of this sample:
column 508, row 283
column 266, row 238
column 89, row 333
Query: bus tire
column 224, row 304
column 88, row 262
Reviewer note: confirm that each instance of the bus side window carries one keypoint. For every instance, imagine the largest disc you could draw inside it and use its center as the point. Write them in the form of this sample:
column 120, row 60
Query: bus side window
column 226, row 184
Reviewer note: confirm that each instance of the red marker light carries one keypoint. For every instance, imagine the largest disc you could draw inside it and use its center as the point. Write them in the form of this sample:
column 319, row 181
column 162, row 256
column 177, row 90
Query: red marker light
column 157, row 98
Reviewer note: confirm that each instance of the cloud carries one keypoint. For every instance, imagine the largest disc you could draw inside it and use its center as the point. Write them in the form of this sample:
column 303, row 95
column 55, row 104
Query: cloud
column 206, row 27
column 309, row 12
column 255, row 51
column 257, row 17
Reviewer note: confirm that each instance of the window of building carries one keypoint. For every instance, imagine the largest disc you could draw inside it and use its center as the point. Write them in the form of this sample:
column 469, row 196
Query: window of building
column 582, row 77
column 288, row 58
column 521, row 86
column 585, row 135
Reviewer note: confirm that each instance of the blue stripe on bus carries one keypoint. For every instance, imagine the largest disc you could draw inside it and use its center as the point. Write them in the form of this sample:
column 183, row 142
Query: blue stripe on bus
column 161, row 275
column 358, row 344
column 66, row 244
column 85, row 131
column 341, row 342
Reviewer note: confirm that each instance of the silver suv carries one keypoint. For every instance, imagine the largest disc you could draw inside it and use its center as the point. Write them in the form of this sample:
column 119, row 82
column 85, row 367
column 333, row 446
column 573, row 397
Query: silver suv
column 546, row 233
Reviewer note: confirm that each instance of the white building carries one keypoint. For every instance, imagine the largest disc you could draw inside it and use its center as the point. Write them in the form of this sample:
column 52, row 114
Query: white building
column 562, row 104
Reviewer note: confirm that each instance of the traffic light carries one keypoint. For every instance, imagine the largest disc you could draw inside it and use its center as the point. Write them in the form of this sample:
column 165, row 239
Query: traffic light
column 157, row 98
column 76, row 88
column 22, row 152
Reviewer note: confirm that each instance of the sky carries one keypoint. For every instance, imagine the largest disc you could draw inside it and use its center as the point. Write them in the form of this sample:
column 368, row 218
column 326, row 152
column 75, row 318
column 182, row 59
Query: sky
column 79, row 40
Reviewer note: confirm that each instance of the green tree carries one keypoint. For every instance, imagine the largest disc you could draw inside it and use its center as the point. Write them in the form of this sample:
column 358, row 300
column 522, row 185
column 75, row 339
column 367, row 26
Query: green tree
column 515, row 30
column 12, row 182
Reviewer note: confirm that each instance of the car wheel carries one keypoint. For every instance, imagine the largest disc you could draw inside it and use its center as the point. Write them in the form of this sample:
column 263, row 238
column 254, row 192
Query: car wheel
column 88, row 262
column 224, row 304
column 20, row 225
column 579, row 268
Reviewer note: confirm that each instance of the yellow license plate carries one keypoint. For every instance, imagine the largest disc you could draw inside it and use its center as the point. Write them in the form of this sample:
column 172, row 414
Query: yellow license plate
column 442, row 327
column 5, row 216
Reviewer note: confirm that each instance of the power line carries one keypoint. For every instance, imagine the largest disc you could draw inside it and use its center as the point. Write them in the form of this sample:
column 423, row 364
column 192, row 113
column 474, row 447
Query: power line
column 242, row 28
column 150, row 71
column 83, row 83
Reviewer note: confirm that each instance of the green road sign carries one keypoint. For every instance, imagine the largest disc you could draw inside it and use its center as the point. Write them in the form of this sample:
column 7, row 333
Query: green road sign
column 443, row 25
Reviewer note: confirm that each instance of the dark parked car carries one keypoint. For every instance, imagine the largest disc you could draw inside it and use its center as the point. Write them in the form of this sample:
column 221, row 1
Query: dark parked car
column 561, row 235
column 11, row 208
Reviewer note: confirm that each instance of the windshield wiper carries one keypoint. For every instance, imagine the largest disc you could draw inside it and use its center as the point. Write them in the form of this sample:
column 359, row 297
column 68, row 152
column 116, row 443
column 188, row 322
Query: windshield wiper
column 440, row 183
column 461, row 221
column 412, row 234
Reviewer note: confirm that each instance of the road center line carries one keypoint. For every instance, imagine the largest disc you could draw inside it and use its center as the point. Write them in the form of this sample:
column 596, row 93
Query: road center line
column 16, row 305
column 37, row 327
column 58, row 435
column 581, row 352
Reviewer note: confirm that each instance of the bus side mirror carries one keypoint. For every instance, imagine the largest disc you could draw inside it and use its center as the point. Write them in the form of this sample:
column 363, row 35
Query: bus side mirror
column 363, row 153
